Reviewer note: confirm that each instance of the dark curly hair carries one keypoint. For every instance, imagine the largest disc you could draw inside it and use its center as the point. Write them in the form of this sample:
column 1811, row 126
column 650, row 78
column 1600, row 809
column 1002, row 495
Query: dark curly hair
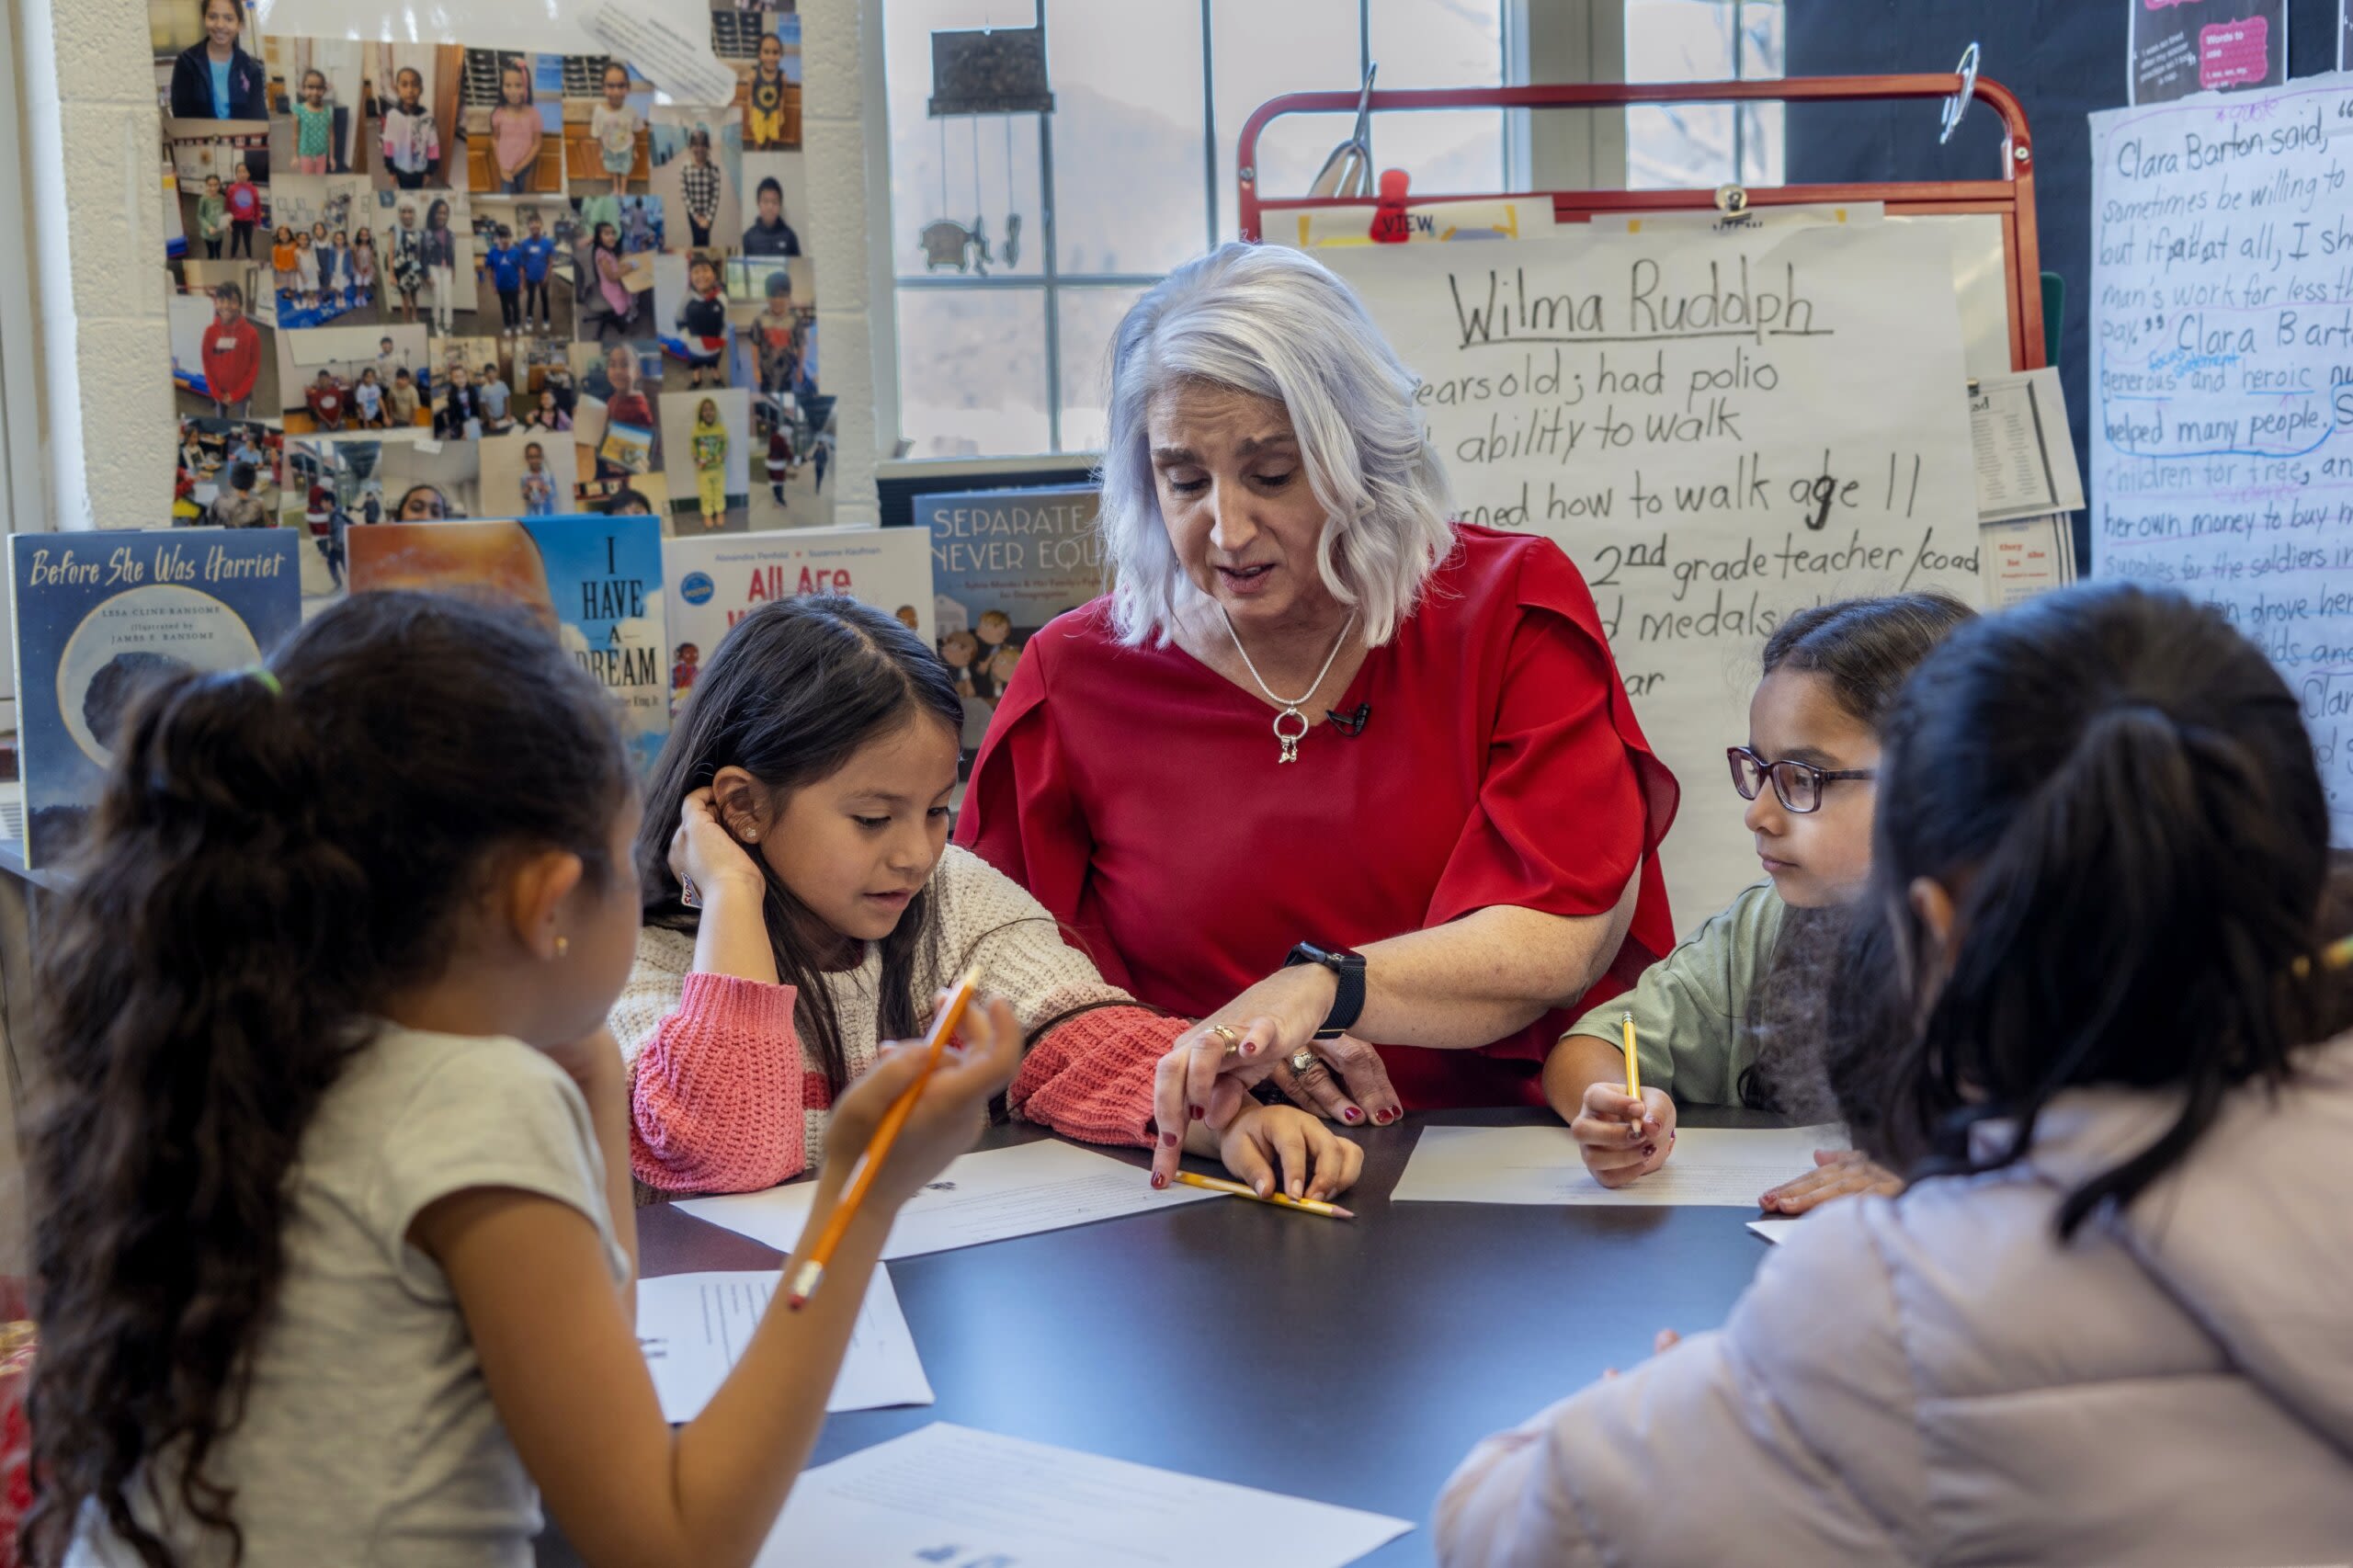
column 272, row 856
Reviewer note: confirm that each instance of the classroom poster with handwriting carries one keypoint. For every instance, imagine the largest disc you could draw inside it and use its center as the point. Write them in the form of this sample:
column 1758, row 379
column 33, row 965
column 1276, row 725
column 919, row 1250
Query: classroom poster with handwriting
column 1719, row 430
column 2221, row 333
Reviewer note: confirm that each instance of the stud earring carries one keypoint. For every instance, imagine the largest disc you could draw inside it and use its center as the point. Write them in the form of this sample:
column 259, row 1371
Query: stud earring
column 563, row 946
column 751, row 836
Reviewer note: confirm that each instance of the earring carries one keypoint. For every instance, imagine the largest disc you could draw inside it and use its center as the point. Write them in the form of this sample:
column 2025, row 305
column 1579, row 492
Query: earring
column 751, row 836
column 563, row 946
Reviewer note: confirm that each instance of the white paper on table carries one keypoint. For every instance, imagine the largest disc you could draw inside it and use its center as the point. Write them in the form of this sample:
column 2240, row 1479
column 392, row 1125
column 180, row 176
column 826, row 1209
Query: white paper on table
column 1721, row 1167
column 2026, row 455
column 692, row 1327
column 1770, row 1229
column 987, row 1196
column 2025, row 557
column 961, row 1498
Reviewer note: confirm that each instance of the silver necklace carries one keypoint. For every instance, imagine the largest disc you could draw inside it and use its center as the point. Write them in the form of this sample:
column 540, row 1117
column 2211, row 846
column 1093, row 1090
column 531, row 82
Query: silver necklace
column 1289, row 739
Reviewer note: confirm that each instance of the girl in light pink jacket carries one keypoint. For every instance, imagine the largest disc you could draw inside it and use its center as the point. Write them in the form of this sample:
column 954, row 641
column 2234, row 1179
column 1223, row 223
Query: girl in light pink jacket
column 2111, row 1321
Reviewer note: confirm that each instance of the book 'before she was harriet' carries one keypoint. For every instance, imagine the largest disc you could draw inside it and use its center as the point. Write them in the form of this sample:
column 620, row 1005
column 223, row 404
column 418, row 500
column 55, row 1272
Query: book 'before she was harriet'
column 101, row 615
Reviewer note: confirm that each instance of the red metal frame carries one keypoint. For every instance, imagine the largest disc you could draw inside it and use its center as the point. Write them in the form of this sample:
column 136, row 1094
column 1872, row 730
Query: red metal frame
column 2010, row 195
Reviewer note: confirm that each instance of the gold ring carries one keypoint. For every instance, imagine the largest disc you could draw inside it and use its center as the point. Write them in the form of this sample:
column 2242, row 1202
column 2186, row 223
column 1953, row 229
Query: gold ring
column 1233, row 1039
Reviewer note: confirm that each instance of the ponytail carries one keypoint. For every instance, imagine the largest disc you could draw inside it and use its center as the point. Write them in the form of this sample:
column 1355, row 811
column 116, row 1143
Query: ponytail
column 274, row 857
column 2116, row 792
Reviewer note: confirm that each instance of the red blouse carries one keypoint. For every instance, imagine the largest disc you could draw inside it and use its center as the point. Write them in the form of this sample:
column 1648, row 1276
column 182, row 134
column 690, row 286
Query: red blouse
column 1135, row 792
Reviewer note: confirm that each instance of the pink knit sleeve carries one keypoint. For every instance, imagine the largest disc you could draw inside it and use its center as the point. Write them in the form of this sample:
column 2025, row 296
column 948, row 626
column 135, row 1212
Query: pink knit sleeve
column 718, row 1100
column 1090, row 1077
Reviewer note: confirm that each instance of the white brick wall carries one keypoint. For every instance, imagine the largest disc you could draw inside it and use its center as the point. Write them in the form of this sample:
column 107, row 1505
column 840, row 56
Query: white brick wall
column 93, row 154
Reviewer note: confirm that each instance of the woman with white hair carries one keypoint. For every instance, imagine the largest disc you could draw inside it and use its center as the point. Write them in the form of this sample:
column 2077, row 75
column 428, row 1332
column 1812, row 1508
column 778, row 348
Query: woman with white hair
column 1323, row 767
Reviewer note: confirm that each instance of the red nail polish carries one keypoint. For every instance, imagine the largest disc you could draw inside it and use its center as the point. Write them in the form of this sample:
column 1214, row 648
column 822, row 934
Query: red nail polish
column 1198, row 1113
column 1352, row 1116
column 1650, row 1151
column 1168, row 1140
column 1159, row 1180
column 1249, row 1047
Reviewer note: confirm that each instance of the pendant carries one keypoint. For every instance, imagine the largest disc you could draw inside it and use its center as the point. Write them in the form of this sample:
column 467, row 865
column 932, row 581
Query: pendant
column 1291, row 739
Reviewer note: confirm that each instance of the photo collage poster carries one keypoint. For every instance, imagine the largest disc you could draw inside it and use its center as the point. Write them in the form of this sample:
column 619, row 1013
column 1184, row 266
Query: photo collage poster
column 418, row 282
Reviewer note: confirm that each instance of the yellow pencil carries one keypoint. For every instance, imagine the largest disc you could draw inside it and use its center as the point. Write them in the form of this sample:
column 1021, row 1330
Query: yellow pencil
column 2337, row 955
column 1279, row 1199
column 812, row 1272
column 1633, row 1072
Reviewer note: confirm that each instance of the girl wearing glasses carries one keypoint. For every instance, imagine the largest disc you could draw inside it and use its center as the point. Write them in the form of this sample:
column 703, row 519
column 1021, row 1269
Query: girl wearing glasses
column 1731, row 1017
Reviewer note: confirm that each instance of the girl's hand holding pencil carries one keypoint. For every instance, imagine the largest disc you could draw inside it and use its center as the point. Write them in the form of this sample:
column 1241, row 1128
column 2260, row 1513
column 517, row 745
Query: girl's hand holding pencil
column 1623, row 1139
column 947, row 1117
column 1624, row 1134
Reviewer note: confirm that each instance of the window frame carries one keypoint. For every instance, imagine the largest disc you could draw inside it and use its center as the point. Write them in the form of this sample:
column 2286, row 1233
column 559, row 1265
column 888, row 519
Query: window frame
column 1050, row 281
column 1530, row 160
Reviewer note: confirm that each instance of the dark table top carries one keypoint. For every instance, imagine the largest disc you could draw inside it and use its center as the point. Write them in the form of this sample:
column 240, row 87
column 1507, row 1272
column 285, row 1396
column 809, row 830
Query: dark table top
column 1350, row 1363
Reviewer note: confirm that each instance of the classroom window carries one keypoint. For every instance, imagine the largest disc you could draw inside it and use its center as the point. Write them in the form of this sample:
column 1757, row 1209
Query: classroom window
column 1131, row 175
column 1683, row 145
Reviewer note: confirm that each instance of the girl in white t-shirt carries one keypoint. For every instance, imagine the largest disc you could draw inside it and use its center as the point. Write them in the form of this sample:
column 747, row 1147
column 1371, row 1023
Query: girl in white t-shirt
column 334, row 1238
column 613, row 125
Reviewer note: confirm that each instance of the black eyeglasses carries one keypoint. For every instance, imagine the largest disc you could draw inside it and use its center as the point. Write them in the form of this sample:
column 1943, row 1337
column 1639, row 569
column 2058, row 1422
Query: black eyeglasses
column 1798, row 785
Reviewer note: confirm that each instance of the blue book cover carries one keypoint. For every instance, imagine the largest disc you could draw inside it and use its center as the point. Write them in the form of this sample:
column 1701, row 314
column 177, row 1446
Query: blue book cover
column 1003, row 563
column 594, row 583
column 100, row 614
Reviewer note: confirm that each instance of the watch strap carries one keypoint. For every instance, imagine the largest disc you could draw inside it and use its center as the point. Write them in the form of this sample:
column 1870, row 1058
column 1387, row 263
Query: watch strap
column 1347, row 973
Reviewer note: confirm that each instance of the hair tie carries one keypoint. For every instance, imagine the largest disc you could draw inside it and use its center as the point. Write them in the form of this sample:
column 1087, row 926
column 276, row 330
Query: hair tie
column 2337, row 955
column 266, row 676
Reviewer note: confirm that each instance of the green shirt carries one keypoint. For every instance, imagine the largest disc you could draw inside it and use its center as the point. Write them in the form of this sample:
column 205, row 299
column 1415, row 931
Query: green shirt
column 1692, row 1008
column 212, row 216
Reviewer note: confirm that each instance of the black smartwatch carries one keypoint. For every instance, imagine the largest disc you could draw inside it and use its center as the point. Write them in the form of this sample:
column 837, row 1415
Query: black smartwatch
column 1348, row 968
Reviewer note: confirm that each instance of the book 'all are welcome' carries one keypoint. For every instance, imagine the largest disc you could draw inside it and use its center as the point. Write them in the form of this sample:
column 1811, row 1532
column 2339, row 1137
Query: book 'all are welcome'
column 594, row 583
column 715, row 581
column 100, row 616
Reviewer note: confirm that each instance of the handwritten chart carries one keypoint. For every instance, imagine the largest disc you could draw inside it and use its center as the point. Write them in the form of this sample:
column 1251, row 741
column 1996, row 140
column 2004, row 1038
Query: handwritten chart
column 2222, row 376
column 1719, row 430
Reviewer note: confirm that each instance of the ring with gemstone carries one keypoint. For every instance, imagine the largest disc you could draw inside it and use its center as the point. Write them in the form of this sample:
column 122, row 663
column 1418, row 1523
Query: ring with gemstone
column 1302, row 1061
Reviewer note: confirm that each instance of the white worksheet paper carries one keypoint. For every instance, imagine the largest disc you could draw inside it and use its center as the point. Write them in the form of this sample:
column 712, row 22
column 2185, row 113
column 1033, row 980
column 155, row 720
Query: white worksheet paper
column 961, row 1498
column 982, row 1198
column 1771, row 1230
column 693, row 1327
column 1721, row 1167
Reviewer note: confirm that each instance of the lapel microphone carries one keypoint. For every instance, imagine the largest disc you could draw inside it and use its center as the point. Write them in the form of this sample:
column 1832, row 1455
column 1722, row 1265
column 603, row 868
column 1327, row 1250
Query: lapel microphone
column 1350, row 724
